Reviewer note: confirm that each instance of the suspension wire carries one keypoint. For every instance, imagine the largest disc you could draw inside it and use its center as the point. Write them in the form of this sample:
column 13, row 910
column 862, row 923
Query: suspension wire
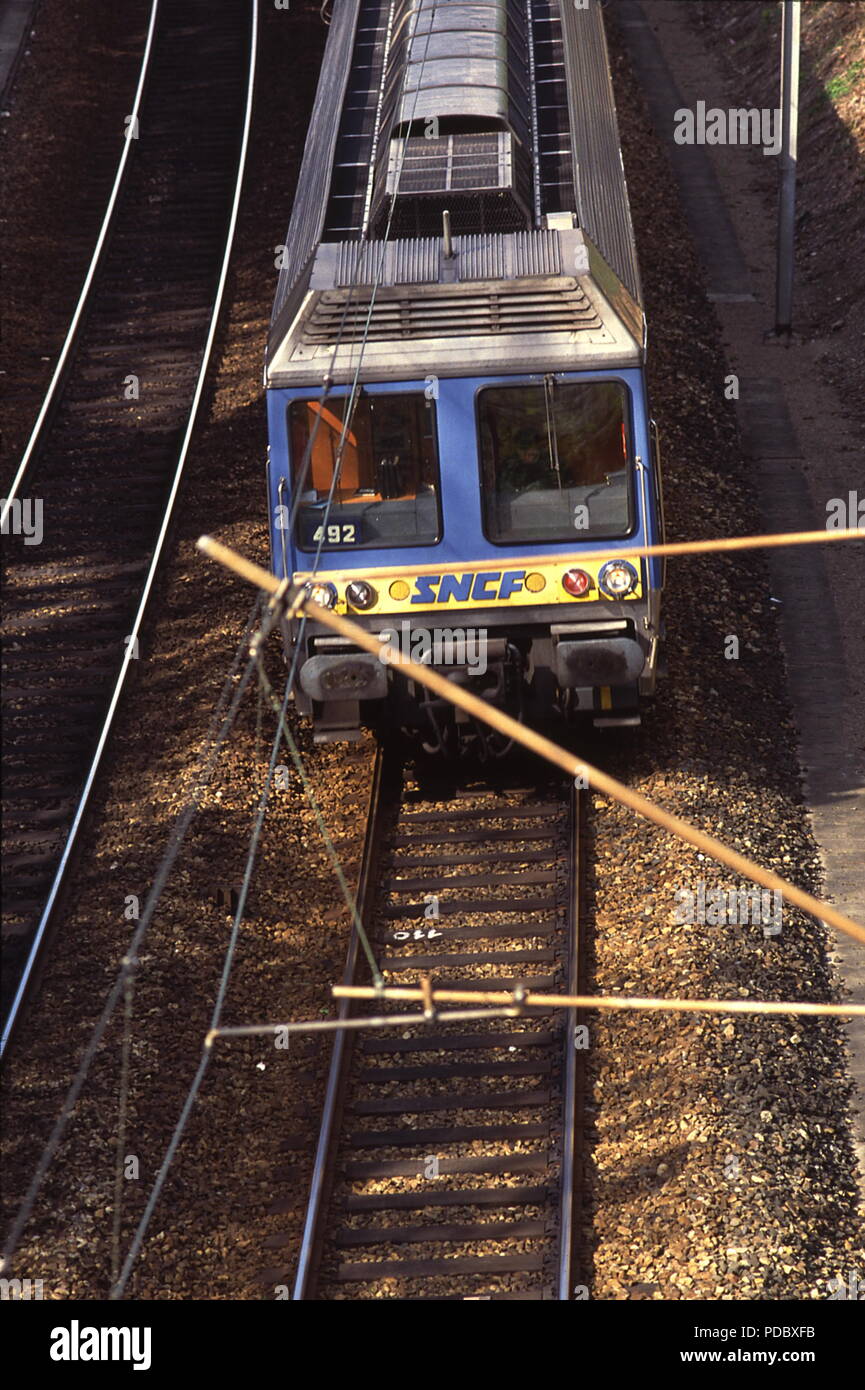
column 545, row 747
column 514, row 1004
column 129, row 964
column 192, row 1094
column 297, row 759
column 338, row 1025
column 271, row 616
column 123, row 1107
column 523, row 998
column 131, row 960
column 207, row 762
column 129, row 977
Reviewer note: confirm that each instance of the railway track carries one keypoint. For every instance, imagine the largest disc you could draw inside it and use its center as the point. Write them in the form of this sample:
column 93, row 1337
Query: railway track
column 108, row 450
column 448, row 1164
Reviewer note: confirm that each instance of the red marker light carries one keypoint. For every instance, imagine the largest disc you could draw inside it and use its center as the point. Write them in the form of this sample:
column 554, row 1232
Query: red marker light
column 576, row 582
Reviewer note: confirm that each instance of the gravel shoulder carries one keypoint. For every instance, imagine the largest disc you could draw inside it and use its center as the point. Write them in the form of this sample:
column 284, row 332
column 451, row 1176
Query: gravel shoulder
column 724, row 1164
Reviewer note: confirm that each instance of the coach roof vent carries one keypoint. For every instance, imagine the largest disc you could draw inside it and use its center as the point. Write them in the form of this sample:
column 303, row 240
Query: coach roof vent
column 455, row 127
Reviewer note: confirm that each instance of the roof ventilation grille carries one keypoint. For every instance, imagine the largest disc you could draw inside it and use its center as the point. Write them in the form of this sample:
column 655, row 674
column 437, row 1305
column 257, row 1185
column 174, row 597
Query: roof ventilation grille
column 455, row 120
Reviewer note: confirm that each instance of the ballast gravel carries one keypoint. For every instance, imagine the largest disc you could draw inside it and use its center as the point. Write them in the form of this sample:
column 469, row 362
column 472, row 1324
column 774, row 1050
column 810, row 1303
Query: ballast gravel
column 720, row 1161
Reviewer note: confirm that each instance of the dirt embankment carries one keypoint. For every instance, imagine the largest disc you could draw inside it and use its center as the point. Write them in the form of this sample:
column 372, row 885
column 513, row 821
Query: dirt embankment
column 830, row 185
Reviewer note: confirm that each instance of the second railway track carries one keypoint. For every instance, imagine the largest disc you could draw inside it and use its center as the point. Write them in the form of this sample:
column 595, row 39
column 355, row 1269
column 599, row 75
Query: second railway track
column 107, row 457
column 449, row 1163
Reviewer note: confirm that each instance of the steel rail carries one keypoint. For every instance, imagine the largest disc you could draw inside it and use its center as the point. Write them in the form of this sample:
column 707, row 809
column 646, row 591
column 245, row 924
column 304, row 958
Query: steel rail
column 131, row 643
column 321, row 1183
column 328, row 1137
column 50, row 397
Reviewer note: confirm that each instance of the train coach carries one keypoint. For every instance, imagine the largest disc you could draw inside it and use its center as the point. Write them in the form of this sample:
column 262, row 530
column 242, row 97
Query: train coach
column 455, row 374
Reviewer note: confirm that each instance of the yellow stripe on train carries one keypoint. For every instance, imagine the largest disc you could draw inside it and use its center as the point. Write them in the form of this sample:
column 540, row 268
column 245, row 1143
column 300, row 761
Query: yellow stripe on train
column 455, row 589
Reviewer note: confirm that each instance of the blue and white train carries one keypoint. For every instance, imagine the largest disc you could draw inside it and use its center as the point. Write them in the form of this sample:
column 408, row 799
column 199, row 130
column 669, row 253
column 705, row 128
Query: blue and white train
column 455, row 378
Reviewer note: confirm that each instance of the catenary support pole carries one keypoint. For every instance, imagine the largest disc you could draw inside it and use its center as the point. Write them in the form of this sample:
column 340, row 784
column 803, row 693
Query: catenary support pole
column 791, row 19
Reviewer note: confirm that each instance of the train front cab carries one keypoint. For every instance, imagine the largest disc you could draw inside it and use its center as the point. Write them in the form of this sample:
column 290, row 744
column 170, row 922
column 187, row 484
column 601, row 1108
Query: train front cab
column 458, row 528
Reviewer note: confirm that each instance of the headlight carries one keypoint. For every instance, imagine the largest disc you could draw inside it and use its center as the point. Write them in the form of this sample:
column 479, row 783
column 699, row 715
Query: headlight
column 360, row 594
column 321, row 593
column 576, row 583
column 617, row 578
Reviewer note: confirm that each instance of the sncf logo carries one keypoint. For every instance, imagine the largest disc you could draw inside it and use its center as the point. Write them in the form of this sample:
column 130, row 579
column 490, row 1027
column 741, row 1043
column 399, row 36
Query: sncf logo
column 462, row 588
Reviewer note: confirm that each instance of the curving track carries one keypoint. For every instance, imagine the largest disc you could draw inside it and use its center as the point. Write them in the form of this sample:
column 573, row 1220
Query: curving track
column 448, row 1164
column 106, row 462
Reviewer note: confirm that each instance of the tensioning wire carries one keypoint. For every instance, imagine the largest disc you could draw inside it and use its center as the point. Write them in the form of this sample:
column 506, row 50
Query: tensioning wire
column 130, row 958
column 195, row 1086
column 297, row 759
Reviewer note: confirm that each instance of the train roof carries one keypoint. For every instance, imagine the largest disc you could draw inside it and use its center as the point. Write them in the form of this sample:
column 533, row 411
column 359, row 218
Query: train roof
column 501, row 112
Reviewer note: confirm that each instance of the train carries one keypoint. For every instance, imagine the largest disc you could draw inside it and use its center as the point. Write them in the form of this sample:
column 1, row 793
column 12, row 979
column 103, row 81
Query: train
column 455, row 377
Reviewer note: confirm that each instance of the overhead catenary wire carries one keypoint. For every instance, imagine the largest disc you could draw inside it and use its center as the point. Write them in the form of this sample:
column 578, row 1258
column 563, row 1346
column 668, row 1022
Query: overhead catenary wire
column 537, row 743
column 50, row 396
column 505, row 1004
column 131, row 641
column 283, row 733
column 294, row 752
column 531, row 999
column 207, row 760
column 195, row 1086
column 123, row 986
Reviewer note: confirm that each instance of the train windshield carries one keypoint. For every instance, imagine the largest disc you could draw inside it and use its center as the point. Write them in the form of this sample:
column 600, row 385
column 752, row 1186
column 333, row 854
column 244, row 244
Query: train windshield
column 386, row 467
column 554, row 461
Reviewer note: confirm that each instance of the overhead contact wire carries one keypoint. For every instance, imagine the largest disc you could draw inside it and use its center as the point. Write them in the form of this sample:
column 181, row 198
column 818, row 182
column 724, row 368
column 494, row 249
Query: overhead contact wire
column 195, row 1086
column 297, row 759
column 207, row 761
column 155, row 560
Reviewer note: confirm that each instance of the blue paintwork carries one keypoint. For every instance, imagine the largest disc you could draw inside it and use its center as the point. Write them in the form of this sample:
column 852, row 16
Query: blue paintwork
column 462, row 538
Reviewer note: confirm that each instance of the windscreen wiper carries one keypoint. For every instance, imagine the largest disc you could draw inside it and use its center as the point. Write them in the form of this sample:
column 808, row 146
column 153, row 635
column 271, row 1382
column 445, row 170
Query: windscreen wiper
column 552, row 439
